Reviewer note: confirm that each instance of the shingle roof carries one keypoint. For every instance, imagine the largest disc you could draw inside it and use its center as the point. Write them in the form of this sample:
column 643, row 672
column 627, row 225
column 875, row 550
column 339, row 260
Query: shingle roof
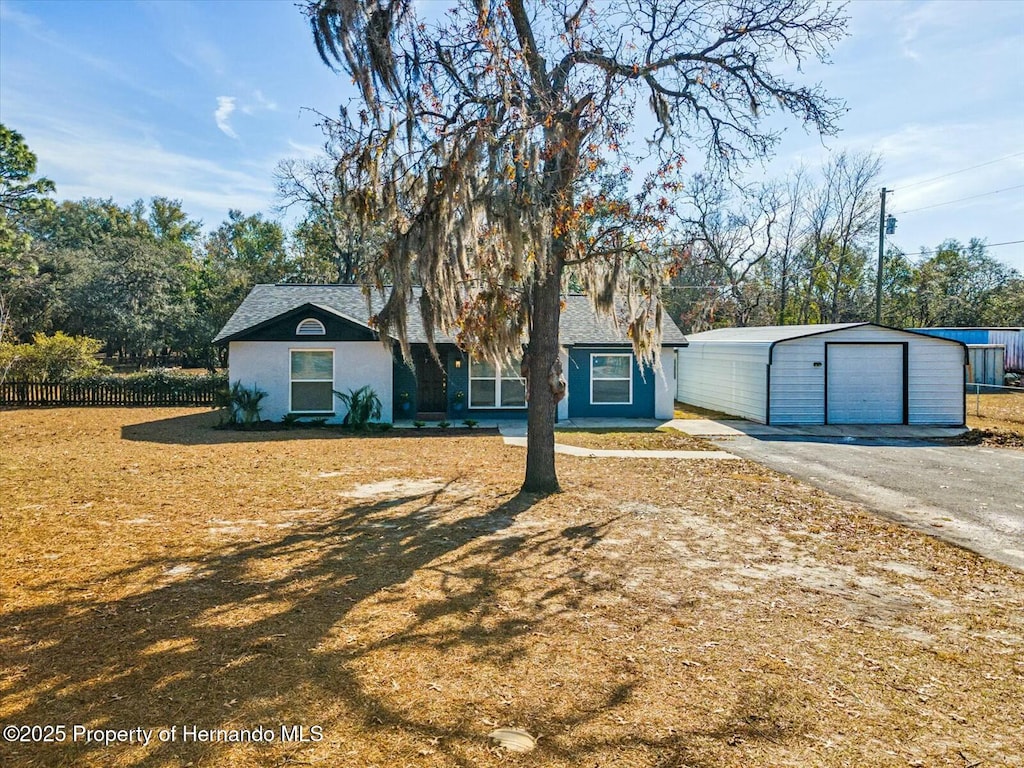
column 580, row 324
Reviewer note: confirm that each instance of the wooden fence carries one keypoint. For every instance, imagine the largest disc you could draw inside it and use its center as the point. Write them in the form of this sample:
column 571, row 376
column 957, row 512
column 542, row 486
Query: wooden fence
column 143, row 393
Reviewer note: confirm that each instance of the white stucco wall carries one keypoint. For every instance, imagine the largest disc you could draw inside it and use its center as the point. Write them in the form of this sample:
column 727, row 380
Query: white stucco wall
column 562, row 410
column 665, row 384
column 267, row 364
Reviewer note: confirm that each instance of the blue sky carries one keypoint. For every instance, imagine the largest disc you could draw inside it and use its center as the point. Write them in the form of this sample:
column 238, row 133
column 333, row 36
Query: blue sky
column 199, row 101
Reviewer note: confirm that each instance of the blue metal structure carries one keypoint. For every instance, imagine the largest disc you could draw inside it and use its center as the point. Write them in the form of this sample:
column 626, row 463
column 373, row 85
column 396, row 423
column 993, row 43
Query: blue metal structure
column 1010, row 338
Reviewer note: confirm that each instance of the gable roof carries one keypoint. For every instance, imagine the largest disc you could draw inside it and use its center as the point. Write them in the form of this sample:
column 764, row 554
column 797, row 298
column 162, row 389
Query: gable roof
column 580, row 324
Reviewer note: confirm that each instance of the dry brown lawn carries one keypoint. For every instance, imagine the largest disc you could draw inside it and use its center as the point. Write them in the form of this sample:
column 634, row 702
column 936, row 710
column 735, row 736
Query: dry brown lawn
column 400, row 595
column 634, row 439
column 997, row 419
column 687, row 411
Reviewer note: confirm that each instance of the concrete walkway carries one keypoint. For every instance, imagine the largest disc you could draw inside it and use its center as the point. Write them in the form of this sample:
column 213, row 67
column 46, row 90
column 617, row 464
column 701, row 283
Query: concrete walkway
column 513, row 432
column 738, row 427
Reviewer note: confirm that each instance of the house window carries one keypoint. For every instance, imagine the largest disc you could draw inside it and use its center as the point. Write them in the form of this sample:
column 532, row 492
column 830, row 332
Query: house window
column 487, row 389
column 310, row 327
column 312, row 380
column 611, row 379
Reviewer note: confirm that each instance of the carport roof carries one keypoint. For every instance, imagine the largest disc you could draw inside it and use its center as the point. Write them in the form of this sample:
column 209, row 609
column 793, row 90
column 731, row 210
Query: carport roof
column 771, row 334
column 768, row 334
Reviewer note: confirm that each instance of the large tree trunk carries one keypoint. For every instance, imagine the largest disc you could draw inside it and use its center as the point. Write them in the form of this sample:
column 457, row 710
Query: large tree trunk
column 543, row 352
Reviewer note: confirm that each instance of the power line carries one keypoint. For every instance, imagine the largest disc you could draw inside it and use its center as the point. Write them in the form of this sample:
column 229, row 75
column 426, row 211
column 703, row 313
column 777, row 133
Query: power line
column 961, row 199
column 962, row 170
column 805, row 271
column 983, row 245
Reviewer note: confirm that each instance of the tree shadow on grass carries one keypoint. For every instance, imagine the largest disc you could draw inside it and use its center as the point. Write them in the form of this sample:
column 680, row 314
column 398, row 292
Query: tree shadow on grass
column 308, row 627
column 218, row 641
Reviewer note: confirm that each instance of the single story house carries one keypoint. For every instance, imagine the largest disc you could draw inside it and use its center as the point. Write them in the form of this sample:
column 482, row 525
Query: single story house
column 844, row 373
column 300, row 342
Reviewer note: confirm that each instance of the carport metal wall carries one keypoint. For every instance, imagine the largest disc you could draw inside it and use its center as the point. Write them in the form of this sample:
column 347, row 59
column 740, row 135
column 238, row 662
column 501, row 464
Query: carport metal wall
column 867, row 333
column 740, row 371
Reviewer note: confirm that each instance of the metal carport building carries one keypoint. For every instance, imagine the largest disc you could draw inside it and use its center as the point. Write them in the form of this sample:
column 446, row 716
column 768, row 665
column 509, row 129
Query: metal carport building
column 843, row 373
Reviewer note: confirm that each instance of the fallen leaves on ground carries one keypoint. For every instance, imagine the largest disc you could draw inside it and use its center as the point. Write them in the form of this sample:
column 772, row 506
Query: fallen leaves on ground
column 628, row 439
column 402, row 599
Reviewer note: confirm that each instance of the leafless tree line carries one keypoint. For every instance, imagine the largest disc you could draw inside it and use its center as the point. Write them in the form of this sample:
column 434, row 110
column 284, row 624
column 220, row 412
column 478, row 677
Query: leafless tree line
column 780, row 252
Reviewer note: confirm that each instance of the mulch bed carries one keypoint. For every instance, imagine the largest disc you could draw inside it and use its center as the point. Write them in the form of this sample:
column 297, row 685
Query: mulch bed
column 336, row 430
column 992, row 436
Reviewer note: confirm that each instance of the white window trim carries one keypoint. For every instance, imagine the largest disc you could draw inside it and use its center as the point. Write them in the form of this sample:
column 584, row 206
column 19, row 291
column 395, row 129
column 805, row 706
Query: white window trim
column 497, row 391
column 322, row 331
column 307, row 381
column 629, row 356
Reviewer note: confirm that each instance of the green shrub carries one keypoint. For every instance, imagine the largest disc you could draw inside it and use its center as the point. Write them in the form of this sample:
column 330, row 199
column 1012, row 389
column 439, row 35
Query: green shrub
column 363, row 406
column 470, row 422
column 243, row 404
column 444, row 424
column 419, row 424
column 51, row 358
column 163, row 380
column 290, row 420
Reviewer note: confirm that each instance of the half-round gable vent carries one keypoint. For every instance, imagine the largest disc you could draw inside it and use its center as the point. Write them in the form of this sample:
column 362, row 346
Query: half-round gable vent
column 310, row 327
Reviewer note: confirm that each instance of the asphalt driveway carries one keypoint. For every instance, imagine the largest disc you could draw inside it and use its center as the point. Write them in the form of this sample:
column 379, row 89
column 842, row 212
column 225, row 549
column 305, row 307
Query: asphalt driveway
column 971, row 496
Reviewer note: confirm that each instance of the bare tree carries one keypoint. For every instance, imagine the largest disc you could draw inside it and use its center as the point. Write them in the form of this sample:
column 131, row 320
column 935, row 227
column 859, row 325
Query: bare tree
column 842, row 216
column 334, row 242
column 789, row 233
column 731, row 231
column 856, row 214
column 478, row 131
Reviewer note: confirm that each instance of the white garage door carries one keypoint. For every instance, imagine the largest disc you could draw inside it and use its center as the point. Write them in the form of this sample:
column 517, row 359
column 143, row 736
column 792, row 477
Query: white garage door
column 864, row 384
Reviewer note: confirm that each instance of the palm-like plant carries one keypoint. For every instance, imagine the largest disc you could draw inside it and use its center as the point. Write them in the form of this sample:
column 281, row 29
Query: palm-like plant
column 242, row 403
column 363, row 406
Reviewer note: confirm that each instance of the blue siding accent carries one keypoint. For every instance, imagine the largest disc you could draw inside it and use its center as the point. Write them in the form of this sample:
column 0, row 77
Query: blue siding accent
column 578, row 377
column 404, row 381
column 964, row 335
column 495, row 413
column 458, row 381
column 1011, row 338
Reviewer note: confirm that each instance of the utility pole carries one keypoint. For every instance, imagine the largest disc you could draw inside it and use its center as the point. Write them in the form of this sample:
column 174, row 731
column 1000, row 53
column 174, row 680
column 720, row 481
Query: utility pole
column 881, row 258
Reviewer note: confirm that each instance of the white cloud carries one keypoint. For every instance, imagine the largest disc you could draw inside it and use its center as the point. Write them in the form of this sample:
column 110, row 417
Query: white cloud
column 225, row 106
column 127, row 169
column 26, row 21
column 259, row 103
column 264, row 102
column 35, row 29
column 305, row 151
